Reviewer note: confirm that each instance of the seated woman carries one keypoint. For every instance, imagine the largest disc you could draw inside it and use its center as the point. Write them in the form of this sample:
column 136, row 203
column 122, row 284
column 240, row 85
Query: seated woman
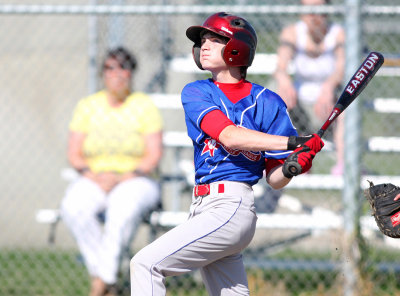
column 115, row 143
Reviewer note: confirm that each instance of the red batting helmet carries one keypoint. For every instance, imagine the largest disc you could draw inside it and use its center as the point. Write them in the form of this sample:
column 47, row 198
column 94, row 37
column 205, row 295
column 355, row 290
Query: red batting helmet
column 241, row 47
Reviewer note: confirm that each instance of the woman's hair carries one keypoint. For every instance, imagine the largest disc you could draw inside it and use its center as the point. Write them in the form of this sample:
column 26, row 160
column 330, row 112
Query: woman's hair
column 124, row 57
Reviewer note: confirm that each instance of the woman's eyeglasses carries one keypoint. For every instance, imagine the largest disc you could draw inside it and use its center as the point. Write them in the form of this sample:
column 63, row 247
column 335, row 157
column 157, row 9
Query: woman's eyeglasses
column 119, row 67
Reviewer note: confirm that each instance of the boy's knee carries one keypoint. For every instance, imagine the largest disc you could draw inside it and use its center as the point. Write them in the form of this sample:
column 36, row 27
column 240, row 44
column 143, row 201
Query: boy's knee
column 144, row 262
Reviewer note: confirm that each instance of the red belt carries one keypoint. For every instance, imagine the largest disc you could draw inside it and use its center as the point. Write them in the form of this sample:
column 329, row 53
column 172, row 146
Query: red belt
column 204, row 189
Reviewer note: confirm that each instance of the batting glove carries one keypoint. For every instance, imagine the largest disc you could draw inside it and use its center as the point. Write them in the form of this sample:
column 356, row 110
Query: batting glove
column 300, row 161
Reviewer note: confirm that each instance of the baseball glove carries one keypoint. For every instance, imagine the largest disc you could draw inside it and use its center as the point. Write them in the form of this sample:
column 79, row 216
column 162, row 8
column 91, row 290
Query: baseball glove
column 385, row 208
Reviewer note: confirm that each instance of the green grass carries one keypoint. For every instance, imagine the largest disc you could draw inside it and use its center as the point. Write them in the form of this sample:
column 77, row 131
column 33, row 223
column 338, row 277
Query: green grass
column 59, row 273
column 42, row 273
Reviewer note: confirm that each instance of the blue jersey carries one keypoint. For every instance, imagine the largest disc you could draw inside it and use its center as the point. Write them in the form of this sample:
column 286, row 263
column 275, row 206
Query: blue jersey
column 263, row 110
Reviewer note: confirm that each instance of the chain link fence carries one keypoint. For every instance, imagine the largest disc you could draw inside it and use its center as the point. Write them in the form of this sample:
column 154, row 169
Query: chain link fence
column 303, row 246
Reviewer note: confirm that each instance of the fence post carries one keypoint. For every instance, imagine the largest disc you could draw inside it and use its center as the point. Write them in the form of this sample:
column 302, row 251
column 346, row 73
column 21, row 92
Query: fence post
column 92, row 51
column 352, row 155
column 116, row 26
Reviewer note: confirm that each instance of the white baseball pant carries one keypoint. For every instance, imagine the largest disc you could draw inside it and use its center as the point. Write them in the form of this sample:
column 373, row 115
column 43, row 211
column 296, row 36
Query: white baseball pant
column 219, row 227
column 101, row 245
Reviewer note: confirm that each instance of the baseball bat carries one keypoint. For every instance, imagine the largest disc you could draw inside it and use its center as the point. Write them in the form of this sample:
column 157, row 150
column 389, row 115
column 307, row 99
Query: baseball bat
column 354, row 87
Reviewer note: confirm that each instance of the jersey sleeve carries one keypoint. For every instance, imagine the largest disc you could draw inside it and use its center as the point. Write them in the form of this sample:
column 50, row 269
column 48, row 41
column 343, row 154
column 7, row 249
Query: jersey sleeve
column 281, row 124
column 197, row 102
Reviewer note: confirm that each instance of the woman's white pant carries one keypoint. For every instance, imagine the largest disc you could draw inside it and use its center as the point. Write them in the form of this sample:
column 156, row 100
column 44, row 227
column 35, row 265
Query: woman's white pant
column 124, row 206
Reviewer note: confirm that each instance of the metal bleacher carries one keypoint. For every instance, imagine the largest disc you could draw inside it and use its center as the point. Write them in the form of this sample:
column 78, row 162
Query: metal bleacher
column 265, row 63
column 313, row 220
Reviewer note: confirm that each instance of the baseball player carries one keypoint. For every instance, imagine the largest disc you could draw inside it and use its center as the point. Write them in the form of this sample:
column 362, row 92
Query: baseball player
column 238, row 129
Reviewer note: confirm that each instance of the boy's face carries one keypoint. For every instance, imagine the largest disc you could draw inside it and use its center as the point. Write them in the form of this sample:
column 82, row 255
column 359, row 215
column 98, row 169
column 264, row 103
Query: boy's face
column 211, row 52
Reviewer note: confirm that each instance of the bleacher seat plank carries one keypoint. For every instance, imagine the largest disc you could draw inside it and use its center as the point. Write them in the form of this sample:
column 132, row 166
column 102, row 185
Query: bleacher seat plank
column 383, row 144
column 319, row 219
column 332, row 182
column 386, row 105
column 264, row 63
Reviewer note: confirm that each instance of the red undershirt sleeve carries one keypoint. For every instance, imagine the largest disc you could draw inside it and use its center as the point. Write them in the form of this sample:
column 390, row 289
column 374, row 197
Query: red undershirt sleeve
column 271, row 163
column 214, row 122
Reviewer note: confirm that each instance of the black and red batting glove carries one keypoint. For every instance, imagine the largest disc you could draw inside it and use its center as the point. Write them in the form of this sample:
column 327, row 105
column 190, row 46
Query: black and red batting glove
column 302, row 157
column 295, row 142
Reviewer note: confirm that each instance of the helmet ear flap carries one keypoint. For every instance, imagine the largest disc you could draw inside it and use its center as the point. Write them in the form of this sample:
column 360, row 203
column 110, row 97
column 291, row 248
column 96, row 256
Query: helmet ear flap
column 196, row 55
column 237, row 52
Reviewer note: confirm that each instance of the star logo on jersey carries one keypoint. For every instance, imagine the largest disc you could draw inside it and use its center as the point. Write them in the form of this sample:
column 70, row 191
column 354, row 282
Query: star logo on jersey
column 209, row 146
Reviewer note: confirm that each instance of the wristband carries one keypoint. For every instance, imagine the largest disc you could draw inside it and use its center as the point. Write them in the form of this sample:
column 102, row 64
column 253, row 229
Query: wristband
column 295, row 142
column 292, row 143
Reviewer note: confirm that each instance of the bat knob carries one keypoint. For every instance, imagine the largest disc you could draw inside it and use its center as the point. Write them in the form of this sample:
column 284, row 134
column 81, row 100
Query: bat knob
column 295, row 169
column 292, row 168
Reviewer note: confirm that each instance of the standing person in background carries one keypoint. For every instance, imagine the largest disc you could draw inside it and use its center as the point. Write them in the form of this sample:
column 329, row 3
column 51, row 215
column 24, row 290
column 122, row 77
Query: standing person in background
column 239, row 130
column 115, row 143
column 316, row 47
